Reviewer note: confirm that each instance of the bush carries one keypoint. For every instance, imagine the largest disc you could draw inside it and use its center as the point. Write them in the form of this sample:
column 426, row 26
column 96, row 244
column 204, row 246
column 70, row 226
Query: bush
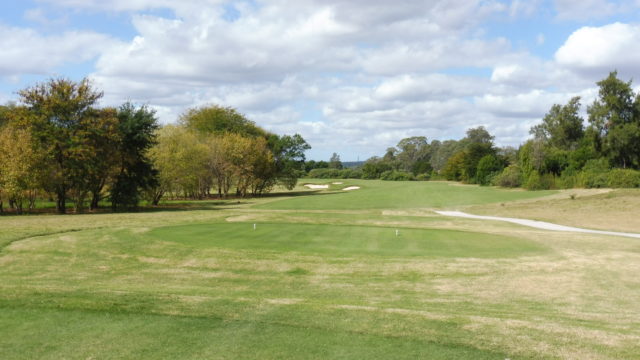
column 489, row 167
column 394, row 175
column 511, row 177
column 325, row 173
column 351, row 174
column 540, row 182
column 569, row 179
column 595, row 174
column 423, row 177
column 623, row 178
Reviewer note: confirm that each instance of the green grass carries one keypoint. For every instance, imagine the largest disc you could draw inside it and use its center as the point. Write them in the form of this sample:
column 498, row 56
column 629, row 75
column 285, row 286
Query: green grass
column 347, row 240
column 378, row 194
column 196, row 281
column 101, row 335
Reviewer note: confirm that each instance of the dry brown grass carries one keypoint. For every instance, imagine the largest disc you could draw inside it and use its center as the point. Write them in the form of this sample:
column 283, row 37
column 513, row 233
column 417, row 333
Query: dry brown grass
column 602, row 209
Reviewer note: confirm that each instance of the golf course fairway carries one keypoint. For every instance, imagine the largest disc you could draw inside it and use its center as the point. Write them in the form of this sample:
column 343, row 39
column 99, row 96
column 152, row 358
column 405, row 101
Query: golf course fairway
column 371, row 273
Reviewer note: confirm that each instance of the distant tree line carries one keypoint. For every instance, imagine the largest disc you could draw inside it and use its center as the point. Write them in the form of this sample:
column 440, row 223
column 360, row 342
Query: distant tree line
column 57, row 144
column 562, row 153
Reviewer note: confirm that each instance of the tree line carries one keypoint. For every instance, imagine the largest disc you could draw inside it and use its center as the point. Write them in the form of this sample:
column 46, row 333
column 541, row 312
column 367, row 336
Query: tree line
column 57, row 144
column 564, row 151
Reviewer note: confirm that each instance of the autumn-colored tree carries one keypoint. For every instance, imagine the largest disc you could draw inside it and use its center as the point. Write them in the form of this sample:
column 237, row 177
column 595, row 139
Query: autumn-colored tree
column 218, row 120
column 58, row 122
column 181, row 159
column 19, row 164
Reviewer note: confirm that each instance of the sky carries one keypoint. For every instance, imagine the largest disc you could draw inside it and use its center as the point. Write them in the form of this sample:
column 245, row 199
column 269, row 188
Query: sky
column 351, row 76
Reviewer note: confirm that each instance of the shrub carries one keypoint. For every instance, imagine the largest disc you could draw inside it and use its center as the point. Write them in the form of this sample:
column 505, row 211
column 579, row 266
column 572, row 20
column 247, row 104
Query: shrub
column 489, row 167
column 569, row 179
column 623, row 178
column 511, row 177
column 589, row 179
column 325, row 173
column 394, row 175
column 423, row 177
column 352, row 173
column 540, row 182
column 594, row 174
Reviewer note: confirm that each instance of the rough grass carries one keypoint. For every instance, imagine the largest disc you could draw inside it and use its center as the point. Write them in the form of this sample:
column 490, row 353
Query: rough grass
column 600, row 209
column 190, row 284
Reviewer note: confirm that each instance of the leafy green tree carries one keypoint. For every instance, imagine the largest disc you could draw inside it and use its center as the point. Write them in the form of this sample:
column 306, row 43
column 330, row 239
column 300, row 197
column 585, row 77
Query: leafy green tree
column 137, row 128
column 454, row 169
column 334, row 162
column 623, row 144
column 615, row 116
column 531, row 158
column 489, row 166
column 390, row 155
column 614, row 105
column 58, row 110
column 478, row 135
column 562, row 126
column 472, row 156
column 414, row 154
column 374, row 167
column 555, row 160
column 104, row 164
column 289, row 155
column 444, row 151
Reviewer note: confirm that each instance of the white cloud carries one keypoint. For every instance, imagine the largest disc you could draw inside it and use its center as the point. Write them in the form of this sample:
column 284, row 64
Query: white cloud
column 25, row 51
column 428, row 87
column 525, row 105
column 351, row 76
column 597, row 50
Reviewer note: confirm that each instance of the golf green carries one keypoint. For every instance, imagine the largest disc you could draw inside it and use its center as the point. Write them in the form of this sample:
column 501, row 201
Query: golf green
column 346, row 240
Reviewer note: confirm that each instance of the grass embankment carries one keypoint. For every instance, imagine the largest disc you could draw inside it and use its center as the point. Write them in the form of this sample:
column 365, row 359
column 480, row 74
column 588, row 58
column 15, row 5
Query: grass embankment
column 330, row 281
column 602, row 209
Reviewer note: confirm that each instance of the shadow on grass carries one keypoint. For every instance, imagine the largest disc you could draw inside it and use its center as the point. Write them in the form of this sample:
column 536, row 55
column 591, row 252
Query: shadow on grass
column 173, row 205
column 298, row 193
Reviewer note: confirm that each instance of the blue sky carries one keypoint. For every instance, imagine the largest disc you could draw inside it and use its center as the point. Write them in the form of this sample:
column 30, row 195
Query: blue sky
column 352, row 76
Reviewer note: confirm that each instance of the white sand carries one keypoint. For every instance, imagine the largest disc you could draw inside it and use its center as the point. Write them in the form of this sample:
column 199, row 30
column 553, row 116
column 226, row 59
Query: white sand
column 314, row 186
column 537, row 224
column 351, row 188
column 337, row 183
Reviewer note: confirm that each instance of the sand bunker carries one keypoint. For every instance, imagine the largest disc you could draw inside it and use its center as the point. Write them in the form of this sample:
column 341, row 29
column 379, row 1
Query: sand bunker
column 314, row 186
column 351, row 188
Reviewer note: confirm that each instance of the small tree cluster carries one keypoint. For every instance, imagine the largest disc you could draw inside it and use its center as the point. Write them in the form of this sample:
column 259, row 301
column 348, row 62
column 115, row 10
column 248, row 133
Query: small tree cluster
column 57, row 142
column 216, row 149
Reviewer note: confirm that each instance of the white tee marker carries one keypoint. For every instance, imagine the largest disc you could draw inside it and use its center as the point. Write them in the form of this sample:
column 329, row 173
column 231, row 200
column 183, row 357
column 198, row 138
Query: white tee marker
column 397, row 232
column 254, row 227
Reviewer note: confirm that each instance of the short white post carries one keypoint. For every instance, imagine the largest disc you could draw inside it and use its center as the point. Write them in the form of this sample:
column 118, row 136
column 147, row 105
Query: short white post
column 254, row 227
column 397, row 232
